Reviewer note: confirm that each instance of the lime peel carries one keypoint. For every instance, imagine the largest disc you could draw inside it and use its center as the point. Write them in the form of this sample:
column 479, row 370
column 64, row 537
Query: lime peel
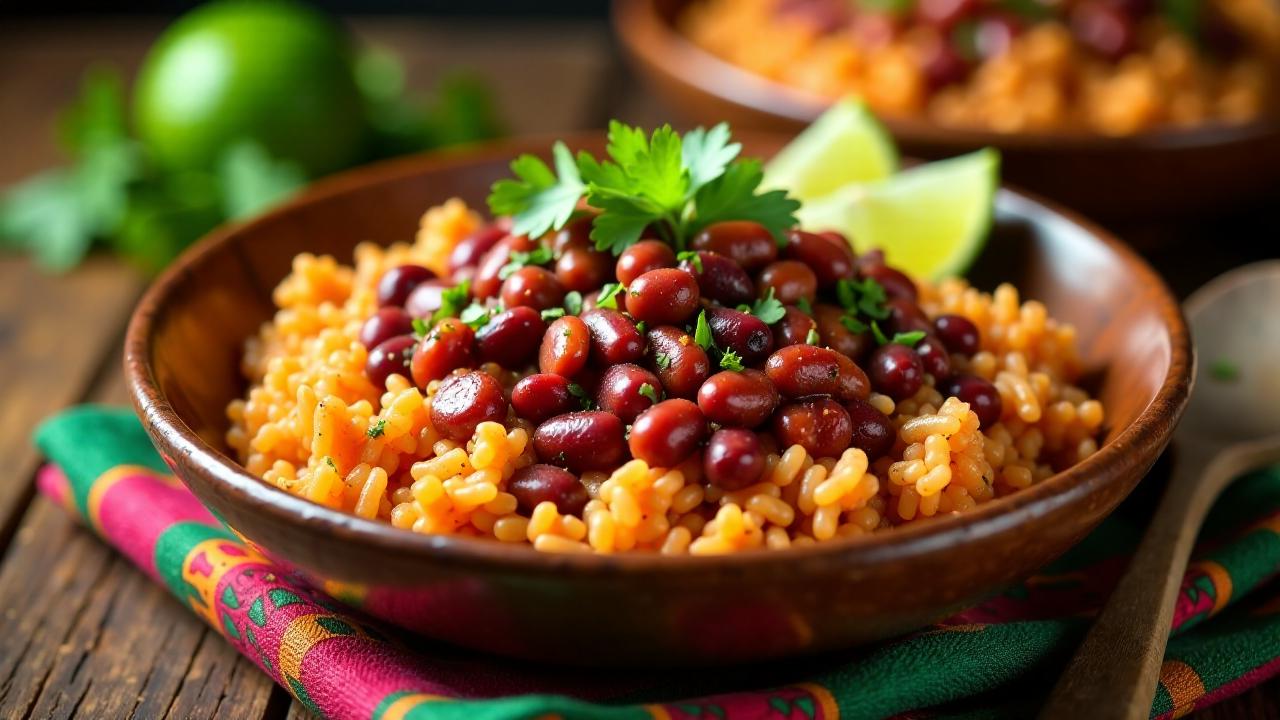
column 845, row 145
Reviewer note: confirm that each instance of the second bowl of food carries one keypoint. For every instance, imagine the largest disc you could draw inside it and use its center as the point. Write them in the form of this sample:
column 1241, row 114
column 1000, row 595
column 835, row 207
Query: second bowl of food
column 658, row 424
column 1105, row 105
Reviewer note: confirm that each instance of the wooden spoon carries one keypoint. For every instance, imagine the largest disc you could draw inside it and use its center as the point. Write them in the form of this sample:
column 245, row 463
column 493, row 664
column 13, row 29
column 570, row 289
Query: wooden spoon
column 1231, row 426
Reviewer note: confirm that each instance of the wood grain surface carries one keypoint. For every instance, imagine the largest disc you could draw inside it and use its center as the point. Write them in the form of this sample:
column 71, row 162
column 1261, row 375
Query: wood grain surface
column 83, row 634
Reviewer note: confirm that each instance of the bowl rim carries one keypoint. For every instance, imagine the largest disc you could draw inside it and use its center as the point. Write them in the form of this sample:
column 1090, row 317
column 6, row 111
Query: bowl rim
column 174, row 438
column 650, row 39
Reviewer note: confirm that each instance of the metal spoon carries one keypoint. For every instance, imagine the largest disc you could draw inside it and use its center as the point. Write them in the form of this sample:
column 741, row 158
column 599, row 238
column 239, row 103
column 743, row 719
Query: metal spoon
column 1231, row 426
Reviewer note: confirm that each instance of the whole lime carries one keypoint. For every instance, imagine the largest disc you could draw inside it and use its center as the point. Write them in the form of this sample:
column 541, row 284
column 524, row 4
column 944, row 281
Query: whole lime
column 275, row 72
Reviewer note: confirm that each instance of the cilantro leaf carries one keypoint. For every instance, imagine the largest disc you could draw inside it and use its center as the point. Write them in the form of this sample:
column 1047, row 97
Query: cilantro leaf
column 647, row 391
column 853, row 324
column 707, row 153
column 376, row 428
column 910, row 339
column 731, row 360
column 693, row 257
column 1224, row 370
column 620, row 222
column 657, row 171
column 452, row 301
column 518, row 259
column 662, row 361
column 732, row 196
column 878, row 333
column 540, row 200
column 420, row 328
column 702, row 332
column 813, row 338
column 805, row 306
column 584, row 399
column 641, row 327
column 253, row 181
column 476, row 315
column 573, row 302
column 608, row 297
column 553, row 313
column 769, row 309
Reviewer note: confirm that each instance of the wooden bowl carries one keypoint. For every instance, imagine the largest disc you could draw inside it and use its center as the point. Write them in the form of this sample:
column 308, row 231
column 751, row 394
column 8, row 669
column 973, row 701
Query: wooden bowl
column 183, row 349
column 1152, row 175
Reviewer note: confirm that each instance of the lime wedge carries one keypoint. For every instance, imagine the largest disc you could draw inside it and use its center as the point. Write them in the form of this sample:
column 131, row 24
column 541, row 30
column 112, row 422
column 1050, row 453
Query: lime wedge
column 930, row 220
column 845, row 145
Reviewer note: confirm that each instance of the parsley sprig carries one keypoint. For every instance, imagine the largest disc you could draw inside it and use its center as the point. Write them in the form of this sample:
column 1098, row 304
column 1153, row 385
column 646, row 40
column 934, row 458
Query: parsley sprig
column 675, row 185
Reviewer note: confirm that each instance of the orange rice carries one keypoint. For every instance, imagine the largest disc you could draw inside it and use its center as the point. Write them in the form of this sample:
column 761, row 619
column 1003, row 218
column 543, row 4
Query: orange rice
column 305, row 423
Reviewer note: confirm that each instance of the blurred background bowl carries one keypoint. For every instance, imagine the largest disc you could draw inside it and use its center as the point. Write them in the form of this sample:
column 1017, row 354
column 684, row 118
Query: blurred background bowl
column 1155, row 174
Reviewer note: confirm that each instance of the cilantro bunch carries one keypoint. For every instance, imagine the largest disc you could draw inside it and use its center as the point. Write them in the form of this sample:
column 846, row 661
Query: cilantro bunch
column 676, row 185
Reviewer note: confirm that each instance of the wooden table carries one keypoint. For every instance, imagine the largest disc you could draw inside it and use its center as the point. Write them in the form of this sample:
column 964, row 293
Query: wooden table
column 81, row 632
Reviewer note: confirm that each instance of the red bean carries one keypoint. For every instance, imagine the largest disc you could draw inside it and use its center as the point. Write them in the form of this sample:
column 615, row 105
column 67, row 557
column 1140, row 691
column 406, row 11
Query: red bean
column 983, row 398
column 800, row 370
column 905, row 316
column 744, row 333
column 565, row 347
column 642, row 257
column 470, row 249
column 895, row 283
column 677, row 360
column 581, row 441
column 734, row 459
column 464, row 401
column 934, row 358
column 873, row 432
column 942, row 64
column 575, row 234
column 511, row 337
column 486, row 283
column 584, row 269
column 541, row 483
column 896, row 371
column 427, row 298
column 622, row 391
column 738, row 399
column 790, row 280
column 667, row 433
column 1103, row 28
column 747, row 243
column 386, row 323
column 829, row 261
column 663, row 297
column 614, row 338
column 534, row 287
column 836, row 237
column 390, row 357
column 838, row 337
column 446, row 348
column 541, row 396
column 958, row 333
column 395, row 284
column 793, row 328
column 720, row 279
column 820, row 425
column 853, row 382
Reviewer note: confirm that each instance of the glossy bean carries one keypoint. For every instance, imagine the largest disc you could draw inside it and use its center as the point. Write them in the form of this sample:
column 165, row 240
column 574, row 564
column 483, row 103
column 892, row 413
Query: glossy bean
column 667, row 433
column 614, row 338
column 539, row 483
column 395, row 284
column 747, row 243
column 896, row 371
column 744, row 333
column 829, row 262
column 738, row 399
column 958, row 333
column 470, row 249
column 720, row 279
column 642, row 257
column 820, row 425
column 801, row 370
column 793, row 329
column 853, row 383
column 386, row 323
column 734, row 459
column 582, row 441
column 511, row 337
column 934, row 358
column 391, row 356
column 622, row 391
column 449, row 346
column 677, row 360
column 541, row 396
column 983, row 397
column 835, row 335
column 427, row 298
column 663, row 297
column 534, row 287
column 566, row 345
column 790, row 280
column 584, row 268
column 896, row 284
column 464, row 401
column 486, row 283
column 873, row 432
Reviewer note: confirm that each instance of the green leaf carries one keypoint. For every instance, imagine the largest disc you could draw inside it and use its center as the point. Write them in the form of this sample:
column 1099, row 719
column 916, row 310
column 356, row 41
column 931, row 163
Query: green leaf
column 658, row 172
column 539, row 201
column 553, row 313
column 452, row 301
column 476, row 315
column 702, row 332
column 253, row 181
column 1183, row 15
column 584, row 399
column 376, row 428
column 878, row 333
column 608, row 297
column 518, row 259
column 731, row 360
column 813, row 338
column 626, row 143
column 573, row 302
column 1224, row 370
column 910, row 339
column 732, row 196
column 853, row 324
column 98, row 115
column 707, row 153
column 620, row 222
column 647, row 391
column 769, row 309
column 662, row 360
column 805, row 306
column 420, row 328
column 693, row 257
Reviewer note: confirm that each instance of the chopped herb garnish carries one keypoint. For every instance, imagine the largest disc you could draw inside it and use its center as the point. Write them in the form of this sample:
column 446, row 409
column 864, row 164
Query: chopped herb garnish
column 676, row 185
column 517, row 259
column 584, row 399
column 692, row 257
column 731, row 360
column 329, row 461
column 477, row 315
column 853, row 324
column 420, row 328
column 1224, row 370
column 805, row 306
column 878, row 334
column 376, row 428
column 647, row 390
column 702, row 332
column 641, row 327
column 910, row 339
column 662, row 360
column 552, row 313
column 608, row 297
column 573, row 302
column 769, row 309
column 865, row 296
column 452, row 301
column 812, row 338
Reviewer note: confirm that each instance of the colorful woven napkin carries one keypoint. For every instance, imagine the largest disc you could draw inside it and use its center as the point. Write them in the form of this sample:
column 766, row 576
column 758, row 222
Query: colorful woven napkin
column 995, row 660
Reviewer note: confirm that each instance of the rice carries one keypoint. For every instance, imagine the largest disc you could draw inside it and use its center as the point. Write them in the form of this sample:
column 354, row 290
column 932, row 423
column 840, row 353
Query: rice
column 313, row 425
